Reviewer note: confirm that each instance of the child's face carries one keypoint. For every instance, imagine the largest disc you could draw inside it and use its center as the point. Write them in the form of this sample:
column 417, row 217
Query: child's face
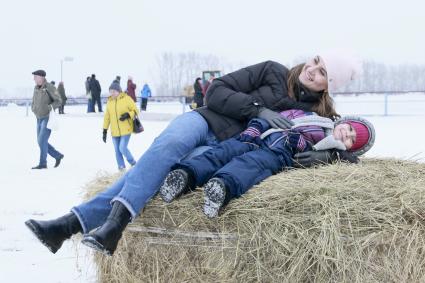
column 345, row 133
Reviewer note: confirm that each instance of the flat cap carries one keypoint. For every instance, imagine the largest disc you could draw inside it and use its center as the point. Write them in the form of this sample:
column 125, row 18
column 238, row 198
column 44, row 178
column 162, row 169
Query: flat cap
column 40, row 73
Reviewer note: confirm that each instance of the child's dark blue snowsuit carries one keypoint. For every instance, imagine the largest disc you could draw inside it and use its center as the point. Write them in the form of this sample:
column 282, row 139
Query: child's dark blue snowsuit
column 242, row 162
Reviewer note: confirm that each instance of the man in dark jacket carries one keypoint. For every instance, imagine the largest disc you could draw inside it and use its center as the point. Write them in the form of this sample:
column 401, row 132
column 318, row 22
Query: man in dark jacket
column 95, row 91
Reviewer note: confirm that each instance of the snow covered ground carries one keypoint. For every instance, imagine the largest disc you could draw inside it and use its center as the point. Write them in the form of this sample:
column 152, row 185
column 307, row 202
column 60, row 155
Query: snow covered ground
column 50, row 193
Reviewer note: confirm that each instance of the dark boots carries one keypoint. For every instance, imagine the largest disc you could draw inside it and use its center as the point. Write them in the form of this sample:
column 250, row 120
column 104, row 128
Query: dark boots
column 215, row 196
column 53, row 233
column 58, row 160
column 176, row 183
column 105, row 238
column 40, row 167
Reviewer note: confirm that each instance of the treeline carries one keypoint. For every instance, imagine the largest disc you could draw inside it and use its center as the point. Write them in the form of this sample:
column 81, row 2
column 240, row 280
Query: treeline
column 380, row 77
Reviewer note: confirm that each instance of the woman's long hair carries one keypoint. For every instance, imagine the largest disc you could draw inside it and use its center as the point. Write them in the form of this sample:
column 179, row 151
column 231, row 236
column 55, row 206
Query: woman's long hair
column 324, row 107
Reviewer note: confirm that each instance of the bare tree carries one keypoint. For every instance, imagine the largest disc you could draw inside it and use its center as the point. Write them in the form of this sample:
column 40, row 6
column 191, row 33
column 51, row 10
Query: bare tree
column 177, row 70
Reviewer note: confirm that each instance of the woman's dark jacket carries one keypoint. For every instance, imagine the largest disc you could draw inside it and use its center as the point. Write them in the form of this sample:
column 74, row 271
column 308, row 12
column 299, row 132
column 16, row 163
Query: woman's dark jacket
column 234, row 99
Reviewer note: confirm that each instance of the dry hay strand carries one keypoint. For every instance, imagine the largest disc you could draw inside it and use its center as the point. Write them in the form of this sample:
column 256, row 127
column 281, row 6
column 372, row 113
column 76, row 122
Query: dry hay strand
column 336, row 223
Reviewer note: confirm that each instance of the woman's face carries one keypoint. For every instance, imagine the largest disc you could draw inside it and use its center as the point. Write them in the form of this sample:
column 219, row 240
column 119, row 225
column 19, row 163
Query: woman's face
column 345, row 132
column 113, row 93
column 313, row 75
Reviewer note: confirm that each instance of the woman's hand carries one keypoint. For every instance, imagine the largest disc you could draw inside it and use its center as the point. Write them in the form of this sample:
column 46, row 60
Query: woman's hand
column 124, row 116
column 275, row 119
column 310, row 158
column 105, row 131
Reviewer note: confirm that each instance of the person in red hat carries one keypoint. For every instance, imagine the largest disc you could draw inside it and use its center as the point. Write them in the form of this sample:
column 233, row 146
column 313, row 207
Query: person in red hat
column 230, row 169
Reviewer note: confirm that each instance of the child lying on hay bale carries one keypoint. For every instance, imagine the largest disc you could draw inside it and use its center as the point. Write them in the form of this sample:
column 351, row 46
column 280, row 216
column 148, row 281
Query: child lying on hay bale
column 231, row 168
column 336, row 223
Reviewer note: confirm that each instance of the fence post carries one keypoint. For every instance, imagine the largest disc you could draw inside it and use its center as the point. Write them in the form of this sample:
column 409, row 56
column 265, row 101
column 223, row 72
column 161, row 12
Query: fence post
column 184, row 103
column 26, row 108
column 386, row 104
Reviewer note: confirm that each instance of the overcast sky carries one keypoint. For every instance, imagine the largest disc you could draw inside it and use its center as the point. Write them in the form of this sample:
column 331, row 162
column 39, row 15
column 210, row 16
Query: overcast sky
column 123, row 37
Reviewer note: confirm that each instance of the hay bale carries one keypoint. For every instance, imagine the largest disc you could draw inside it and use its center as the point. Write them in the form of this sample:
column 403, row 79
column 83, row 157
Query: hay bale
column 337, row 223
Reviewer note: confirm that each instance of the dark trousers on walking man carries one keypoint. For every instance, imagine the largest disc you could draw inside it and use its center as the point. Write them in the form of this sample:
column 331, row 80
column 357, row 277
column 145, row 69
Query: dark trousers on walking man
column 97, row 100
column 144, row 103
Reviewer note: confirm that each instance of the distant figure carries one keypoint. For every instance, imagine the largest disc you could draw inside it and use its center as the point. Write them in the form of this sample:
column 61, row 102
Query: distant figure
column 131, row 88
column 95, row 91
column 120, row 111
column 145, row 94
column 53, row 83
column 61, row 90
column 45, row 98
column 199, row 96
column 90, row 105
column 208, row 83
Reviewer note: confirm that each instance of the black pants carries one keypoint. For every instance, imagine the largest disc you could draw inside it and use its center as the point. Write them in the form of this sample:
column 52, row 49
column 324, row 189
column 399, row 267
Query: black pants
column 61, row 109
column 143, row 104
column 96, row 99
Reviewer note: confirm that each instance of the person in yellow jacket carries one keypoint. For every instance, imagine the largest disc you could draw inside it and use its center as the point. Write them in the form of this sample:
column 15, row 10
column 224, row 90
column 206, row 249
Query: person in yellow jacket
column 120, row 111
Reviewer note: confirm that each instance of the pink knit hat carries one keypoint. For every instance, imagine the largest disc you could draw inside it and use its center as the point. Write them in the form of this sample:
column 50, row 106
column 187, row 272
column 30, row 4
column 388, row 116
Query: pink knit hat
column 342, row 67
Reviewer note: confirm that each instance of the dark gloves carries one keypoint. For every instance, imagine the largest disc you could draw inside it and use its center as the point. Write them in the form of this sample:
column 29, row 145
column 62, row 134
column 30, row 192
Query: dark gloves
column 124, row 116
column 310, row 158
column 346, row 156
column 104, row 135
column 274, row 119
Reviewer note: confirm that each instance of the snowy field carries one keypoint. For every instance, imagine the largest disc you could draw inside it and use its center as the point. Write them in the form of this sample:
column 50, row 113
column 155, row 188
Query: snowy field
column 50, row 193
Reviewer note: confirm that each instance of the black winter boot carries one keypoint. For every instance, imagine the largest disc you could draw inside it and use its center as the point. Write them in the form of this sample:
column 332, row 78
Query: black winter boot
column 176, row 183
column 53, row 233
column 215, row 196
column 105, row 238
column 40, row 167
column 58, row 160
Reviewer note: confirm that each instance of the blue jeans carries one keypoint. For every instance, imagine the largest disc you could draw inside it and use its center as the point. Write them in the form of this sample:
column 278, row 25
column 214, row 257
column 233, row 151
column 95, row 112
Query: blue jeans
column 90, row 106
column 43, row 134
column 120, row 145
column 142, row 182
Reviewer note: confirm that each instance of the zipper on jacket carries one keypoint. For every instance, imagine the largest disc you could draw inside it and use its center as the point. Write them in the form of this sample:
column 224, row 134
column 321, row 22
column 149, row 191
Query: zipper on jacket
column 116, row 115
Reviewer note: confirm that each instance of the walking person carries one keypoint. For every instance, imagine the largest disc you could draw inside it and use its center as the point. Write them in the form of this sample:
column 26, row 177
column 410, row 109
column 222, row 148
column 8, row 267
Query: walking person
column 45, row 99
column 131, row 89
column 145, row 93
column 61, row 91
column 120, row 111
column 261, row 90
column 95, row 91
column 90, row 105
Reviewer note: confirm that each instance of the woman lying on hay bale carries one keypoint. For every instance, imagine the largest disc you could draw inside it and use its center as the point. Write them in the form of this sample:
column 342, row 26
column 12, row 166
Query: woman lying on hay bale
column 230, row 169
column 261, row 90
